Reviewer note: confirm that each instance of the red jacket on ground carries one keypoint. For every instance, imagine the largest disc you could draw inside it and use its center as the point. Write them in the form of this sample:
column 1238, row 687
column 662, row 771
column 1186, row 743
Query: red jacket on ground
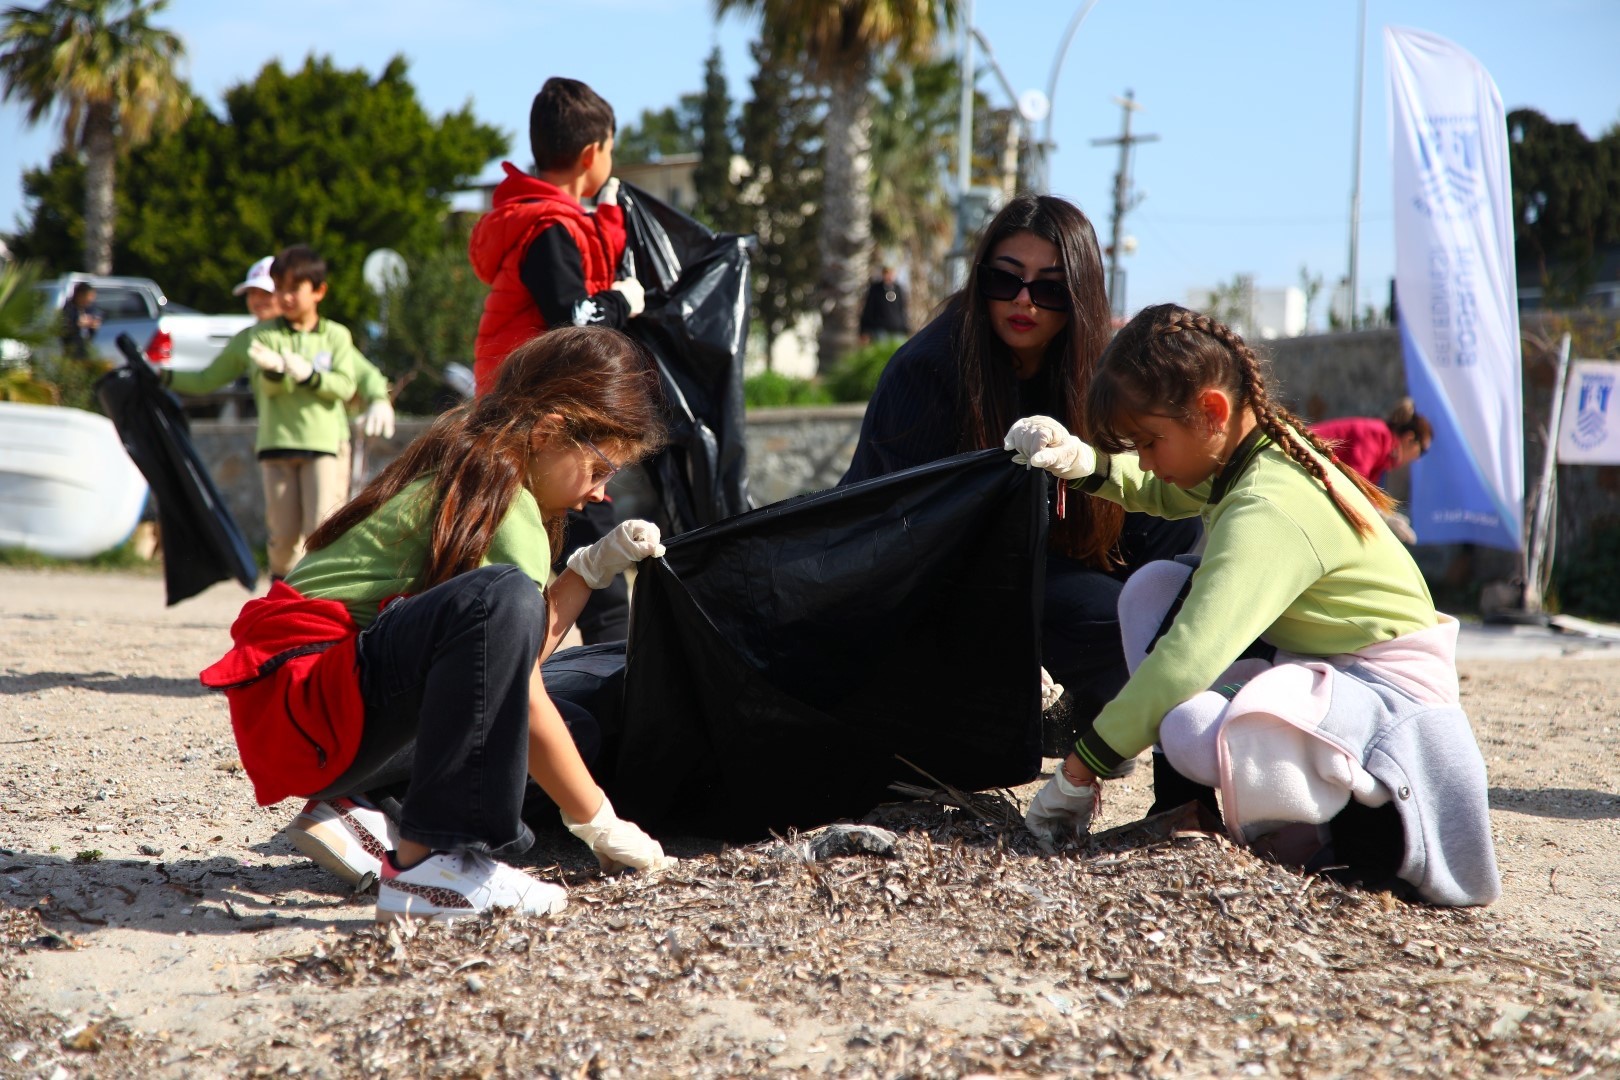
column 1364, row 443
column 523, row 207
column 293, row 684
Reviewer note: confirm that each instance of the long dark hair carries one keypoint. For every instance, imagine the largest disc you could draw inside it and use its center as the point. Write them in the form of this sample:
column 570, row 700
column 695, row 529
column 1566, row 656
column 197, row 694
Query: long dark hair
column 573, row 383
column 988, row 388
column 1167, row 355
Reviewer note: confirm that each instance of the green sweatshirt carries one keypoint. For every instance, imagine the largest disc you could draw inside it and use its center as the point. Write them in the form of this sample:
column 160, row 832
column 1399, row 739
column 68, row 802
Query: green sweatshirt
column 381, row 556
column 292, row 416
column 1280, row 563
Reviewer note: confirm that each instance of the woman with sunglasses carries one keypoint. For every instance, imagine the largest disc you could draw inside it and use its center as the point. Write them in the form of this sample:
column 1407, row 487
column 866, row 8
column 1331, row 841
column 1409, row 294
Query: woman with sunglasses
column 398, row 665
column 1023, row 336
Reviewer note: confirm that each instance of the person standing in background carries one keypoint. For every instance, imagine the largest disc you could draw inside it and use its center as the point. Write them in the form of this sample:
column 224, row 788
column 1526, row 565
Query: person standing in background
column 884, row 313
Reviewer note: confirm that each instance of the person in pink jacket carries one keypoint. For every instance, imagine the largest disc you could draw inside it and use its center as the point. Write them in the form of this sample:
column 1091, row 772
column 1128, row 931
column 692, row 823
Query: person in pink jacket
column 1374, row 448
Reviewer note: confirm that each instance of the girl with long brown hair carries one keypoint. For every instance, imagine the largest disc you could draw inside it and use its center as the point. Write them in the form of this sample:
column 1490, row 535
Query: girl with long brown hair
column 1299, row 664
column 1022, row 337
column 405, row 646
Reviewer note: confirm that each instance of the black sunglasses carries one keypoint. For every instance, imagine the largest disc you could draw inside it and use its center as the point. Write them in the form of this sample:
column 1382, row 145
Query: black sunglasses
column 1049, row 293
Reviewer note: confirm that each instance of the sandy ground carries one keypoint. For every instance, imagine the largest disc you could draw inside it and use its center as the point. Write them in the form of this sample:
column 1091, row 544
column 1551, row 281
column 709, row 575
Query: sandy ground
column 165, row 895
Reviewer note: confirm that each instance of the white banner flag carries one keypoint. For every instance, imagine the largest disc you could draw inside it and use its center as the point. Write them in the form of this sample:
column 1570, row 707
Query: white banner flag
column 1456, row 290
column 1589, row 431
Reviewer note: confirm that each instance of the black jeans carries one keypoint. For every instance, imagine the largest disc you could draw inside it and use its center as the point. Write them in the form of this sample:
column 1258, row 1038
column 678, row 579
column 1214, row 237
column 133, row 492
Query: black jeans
column 445, row 678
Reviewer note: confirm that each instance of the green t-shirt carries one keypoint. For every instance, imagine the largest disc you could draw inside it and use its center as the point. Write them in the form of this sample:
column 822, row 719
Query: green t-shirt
column 310, row 416
column 381, row 556
column 1280, row 563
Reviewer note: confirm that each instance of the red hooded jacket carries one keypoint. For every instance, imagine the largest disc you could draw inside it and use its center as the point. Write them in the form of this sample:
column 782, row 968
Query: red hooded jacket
column 1365, row 443
column 294, row 689
column 523, row 207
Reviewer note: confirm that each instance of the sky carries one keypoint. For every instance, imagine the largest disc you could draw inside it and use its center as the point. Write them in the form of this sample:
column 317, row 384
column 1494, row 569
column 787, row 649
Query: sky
column 1253, row 101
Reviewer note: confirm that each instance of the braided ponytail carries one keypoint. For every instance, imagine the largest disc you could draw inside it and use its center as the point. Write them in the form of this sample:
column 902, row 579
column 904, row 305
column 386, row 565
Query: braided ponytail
column 1157, row 359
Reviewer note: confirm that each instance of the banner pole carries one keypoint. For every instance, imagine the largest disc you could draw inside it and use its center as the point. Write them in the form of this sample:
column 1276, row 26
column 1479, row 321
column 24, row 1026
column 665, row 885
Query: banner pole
column 1545, row 491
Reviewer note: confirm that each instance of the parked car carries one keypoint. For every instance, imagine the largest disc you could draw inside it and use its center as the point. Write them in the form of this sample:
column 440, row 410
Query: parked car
column 171, row 335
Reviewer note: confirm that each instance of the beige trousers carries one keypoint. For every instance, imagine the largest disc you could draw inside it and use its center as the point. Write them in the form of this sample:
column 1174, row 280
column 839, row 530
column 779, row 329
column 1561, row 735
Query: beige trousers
column 298, row 495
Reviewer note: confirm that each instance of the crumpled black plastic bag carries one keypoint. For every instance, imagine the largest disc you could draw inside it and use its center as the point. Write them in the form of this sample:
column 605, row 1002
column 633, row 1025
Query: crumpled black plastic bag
column 780, row 660
column 201, row 541
column 696, row 327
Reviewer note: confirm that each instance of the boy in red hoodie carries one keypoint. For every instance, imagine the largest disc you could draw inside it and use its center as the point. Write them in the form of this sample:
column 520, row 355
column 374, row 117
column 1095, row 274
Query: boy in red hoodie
column 548, row 263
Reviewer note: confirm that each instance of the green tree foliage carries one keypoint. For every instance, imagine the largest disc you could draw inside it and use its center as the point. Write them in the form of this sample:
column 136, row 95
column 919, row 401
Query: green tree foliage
column 112, row 76
column 1566, row 202
column 914, row 129
column 716, row 195
column 660, row 133
column 428, row 320
column 843, row 45
column 330, row 157
column 781, row 141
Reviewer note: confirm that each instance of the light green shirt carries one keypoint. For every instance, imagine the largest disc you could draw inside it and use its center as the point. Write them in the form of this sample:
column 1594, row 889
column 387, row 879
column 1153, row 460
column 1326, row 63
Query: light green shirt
column 381, row 556
column 1280, row 563
column 291, row 416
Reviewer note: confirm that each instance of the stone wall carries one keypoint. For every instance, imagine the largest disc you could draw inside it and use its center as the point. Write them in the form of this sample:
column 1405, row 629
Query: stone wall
column 790, row 451
column 795, row 450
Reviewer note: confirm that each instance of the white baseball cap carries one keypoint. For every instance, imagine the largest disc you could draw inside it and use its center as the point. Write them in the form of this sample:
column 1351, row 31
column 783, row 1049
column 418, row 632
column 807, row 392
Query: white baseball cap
column 258, row 277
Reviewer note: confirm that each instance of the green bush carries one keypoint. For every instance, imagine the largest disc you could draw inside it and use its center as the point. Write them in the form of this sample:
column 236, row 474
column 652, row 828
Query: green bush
column 770, row 389
column 855, row 377
column 1588, row 582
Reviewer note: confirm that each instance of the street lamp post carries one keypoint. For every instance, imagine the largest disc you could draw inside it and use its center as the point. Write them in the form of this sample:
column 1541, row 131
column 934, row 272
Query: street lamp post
column 1041, row 152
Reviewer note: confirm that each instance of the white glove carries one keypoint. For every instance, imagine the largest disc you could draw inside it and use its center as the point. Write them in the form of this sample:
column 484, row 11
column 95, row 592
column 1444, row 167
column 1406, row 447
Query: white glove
column 608, row 194
column 629, row 543
column 1043, row 443
column 271, row 362
column 633, row 292
column 619, row 844
column 1050, row 691
column 1061, row 812
column 1401, row 526
column 378, row 419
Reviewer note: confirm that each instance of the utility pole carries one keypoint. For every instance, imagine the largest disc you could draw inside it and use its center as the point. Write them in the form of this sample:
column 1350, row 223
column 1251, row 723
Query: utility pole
column 1355, row 165
column 1124, row 198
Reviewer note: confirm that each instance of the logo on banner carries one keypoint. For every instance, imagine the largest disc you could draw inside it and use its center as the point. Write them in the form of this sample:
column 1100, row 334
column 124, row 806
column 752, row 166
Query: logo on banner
column 1451, row 182
column 1592, row 418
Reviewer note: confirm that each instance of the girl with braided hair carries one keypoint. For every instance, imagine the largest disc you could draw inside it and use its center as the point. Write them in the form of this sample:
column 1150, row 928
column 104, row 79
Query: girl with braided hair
column 1299, row 664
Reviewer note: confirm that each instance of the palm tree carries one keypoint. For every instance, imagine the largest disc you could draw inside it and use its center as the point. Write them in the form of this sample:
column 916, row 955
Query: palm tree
column 113, row 76
column 843, row 41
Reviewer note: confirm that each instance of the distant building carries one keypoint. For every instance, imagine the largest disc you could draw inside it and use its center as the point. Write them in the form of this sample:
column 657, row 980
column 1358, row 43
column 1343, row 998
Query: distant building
column 1254, row 312
column 1603, row 294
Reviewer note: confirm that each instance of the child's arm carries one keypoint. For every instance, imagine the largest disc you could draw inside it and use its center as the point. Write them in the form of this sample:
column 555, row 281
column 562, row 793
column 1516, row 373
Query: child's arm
column 554, row 273
column 231, row 364
column 1256, row 565
column 1119, row 479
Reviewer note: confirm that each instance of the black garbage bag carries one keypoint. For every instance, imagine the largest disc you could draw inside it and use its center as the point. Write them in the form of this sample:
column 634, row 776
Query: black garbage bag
column 779, row 661
column 201, row 541
column 696, row 327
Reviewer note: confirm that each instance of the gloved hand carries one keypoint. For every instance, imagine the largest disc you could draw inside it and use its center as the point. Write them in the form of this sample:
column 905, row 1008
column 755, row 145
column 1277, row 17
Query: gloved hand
column 1043, row 443
column 619, row 845
column 1401, row 526
column 1061, row 811
column 288, row 364
column 629, row 543
column 608, row 194
column 634, row 293
column 378, row 419
column 1050, row 691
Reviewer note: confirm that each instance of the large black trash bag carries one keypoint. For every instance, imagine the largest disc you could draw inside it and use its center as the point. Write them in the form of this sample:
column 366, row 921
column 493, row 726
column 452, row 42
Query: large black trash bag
column 779, row 661
column 696, row 327
column 201, row 542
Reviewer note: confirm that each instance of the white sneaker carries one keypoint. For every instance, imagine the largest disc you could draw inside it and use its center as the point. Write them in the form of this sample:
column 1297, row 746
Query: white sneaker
column 344, row 837
column 449, row 885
